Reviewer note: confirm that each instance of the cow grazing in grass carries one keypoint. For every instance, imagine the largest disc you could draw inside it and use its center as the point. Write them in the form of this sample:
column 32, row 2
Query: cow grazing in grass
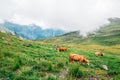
column 79, row 58
column 99, row 53
column 60, row 49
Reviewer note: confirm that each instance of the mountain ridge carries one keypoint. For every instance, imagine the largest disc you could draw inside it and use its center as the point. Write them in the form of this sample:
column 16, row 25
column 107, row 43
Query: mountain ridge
column 31, row 32
column 7, row 31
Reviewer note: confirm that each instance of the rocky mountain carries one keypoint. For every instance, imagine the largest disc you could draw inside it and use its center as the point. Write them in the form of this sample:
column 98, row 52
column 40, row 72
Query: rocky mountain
column 7, row 31
column 31, row 32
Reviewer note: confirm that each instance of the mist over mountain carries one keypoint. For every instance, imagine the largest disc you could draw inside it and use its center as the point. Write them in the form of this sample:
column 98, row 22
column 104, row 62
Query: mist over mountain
column 31, row 32
column 108, row 34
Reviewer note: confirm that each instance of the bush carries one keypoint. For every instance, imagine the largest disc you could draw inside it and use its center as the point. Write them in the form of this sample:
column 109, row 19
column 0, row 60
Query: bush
column 17, row 64
column 60, row 64
column 49, row 67
column 4, row 75
column 113, row 73
column 75, row 71
column 43, row 66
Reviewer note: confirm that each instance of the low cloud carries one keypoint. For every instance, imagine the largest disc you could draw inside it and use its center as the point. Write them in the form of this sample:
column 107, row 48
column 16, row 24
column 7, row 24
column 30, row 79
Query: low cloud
column 69, row 15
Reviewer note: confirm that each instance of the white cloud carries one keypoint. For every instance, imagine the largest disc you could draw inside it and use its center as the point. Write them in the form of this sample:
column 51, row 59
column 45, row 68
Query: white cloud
column 84, row 15
column 1, row 21
column 22, row 20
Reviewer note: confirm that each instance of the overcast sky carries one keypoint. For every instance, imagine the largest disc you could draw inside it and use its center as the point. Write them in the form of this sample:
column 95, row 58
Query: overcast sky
column 84, row 15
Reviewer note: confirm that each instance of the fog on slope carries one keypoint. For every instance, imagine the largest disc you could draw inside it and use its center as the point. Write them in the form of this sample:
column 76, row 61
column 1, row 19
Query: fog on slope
column 69, row 15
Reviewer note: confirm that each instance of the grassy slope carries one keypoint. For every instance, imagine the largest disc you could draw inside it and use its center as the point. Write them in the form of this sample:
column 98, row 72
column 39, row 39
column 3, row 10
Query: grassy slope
column 108, row 35
column 22, row 59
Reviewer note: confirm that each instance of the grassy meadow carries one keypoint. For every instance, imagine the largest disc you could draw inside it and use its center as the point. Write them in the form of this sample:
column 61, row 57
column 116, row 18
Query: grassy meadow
column 35, row 60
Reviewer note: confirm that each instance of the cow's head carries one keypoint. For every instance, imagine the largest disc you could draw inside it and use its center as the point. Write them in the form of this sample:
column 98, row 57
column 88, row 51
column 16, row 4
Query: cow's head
column 86, row 61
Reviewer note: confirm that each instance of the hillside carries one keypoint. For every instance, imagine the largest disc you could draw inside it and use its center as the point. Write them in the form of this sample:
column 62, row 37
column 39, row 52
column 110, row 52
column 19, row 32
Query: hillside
column 31, row 32
column 108, row 35
column 70, row 37
column 105, row 35
column 40, row 61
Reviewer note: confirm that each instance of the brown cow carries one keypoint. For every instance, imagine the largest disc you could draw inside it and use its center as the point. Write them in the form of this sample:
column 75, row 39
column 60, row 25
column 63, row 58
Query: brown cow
column 60, row 49
column 77, row 57
column 99, row 53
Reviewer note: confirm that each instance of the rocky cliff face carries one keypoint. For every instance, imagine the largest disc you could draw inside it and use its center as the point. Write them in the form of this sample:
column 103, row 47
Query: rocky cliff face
column 7, row 31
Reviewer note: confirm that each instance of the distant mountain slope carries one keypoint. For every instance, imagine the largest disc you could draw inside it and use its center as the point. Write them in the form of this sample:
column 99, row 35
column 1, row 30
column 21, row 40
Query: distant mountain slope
column 7, row 31
column 105, row 35
column 31, row 32
column 109, row 34
column 69, row 37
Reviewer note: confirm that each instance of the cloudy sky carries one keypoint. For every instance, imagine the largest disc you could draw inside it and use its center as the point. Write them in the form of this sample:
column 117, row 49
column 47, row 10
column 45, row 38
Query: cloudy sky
column 84, row 15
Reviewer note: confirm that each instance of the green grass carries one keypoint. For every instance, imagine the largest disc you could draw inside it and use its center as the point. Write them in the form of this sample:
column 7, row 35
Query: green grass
column 23, row 59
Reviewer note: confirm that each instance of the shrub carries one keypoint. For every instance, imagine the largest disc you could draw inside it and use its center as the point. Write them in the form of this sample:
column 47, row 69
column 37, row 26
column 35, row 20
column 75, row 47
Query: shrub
column 43, row 66
column 49, row 67
column 17, row 64
column 6, row 75
column 60, row 64
column 75, row 71
column 113, row 73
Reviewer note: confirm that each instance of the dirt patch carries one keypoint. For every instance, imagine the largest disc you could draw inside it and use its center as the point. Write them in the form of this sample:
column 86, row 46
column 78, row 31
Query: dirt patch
column 63, row 73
